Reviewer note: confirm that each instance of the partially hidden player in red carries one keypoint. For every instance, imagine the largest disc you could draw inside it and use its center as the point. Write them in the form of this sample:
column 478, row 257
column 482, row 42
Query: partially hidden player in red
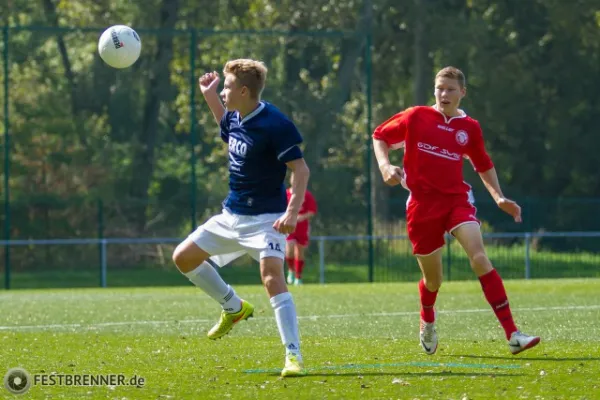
column 297, row 242
column 435, row 141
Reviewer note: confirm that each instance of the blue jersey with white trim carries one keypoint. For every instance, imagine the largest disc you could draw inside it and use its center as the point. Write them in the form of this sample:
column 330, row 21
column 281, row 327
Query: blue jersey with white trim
column 260, row 145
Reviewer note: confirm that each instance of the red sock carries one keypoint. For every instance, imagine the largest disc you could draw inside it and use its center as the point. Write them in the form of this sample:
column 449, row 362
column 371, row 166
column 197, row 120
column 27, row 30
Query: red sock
column 299, row 268
column 427, row 302
column 494, row 292
column 290, row 263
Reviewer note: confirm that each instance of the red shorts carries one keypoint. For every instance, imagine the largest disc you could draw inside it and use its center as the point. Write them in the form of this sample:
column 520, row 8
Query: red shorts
column 300, row 235
column 428, row 220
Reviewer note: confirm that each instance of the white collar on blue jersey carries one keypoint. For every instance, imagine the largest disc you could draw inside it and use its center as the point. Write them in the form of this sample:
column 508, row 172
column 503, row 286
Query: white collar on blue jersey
column 253, row 114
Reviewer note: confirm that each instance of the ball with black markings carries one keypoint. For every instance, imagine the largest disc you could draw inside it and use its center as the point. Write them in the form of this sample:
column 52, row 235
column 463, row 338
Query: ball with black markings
column 119, row 46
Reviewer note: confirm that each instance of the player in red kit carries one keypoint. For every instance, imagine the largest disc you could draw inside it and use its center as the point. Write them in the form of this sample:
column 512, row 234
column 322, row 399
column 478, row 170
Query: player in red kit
column 297, row 242
column 435, row 141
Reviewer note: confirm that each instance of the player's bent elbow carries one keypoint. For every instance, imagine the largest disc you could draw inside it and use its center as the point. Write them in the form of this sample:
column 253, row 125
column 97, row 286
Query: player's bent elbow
column 299, row 167
column 303, row 170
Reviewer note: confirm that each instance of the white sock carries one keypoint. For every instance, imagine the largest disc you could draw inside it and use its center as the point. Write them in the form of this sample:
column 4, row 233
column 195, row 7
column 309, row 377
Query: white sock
column 287, row 322
column 209, row 280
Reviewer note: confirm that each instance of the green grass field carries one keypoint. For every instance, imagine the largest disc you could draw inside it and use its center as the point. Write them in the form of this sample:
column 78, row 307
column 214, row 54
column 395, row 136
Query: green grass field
column 358, row 341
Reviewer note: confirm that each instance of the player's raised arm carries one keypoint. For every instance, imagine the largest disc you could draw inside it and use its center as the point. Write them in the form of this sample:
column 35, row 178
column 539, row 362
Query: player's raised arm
column 208, row 86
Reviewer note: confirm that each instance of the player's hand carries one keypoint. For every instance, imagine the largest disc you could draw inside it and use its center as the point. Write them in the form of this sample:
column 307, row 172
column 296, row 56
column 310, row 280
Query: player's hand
column 510, row 207
column 209, row 81
column 392, row 175
column 286, row 224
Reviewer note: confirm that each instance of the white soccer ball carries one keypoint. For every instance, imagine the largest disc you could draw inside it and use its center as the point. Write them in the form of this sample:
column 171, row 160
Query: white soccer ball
column 119, row 46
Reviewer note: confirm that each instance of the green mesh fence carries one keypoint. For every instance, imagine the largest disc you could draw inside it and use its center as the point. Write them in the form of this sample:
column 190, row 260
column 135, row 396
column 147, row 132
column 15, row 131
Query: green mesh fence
column 90, row 152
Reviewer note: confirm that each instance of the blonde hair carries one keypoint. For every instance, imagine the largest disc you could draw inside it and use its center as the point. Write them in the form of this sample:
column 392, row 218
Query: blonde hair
column 452, row 73
column 249, row 73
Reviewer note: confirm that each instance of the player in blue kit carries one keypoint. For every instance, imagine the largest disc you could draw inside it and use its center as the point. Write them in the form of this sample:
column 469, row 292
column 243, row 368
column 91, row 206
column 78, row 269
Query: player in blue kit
column 256, row 216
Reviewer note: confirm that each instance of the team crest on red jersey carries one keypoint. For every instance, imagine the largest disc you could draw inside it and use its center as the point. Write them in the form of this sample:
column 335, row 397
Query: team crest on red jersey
column 462, row 138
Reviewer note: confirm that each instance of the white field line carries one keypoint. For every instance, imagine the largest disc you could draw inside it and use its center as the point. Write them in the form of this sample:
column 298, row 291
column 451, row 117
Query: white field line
column 308, row 317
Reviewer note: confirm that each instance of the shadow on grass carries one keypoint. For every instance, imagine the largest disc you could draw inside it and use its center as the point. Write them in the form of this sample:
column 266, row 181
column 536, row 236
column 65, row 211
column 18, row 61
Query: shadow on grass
column 517, row 358
column 431, row 374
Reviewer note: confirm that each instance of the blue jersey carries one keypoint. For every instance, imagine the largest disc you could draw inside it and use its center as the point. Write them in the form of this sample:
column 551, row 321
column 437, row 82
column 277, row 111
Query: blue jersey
column 259, row 146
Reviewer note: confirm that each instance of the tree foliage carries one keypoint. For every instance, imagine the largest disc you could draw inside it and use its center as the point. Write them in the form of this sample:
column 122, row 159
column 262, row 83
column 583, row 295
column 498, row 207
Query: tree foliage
column 92, row 143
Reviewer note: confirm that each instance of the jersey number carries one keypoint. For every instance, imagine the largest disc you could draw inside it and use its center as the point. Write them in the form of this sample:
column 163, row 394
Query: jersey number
column 275, row 247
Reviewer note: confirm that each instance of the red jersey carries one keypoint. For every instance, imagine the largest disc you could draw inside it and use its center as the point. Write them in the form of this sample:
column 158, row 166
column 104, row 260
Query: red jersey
column 434, row 147
column 308, row 205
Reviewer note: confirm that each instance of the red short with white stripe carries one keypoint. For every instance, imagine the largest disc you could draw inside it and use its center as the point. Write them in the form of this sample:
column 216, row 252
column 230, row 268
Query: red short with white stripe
column 301, row 235
column 428, row 220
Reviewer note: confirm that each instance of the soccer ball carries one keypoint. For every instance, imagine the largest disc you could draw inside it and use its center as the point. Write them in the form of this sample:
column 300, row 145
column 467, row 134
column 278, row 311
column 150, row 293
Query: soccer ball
column 119, row 46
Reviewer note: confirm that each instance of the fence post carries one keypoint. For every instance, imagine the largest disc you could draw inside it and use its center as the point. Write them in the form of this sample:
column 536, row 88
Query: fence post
column 193, row 129
column 103, row 263
column 321, row 260
column 368, row 88
column 527, row 255
column 100, row 234
column 6, row 163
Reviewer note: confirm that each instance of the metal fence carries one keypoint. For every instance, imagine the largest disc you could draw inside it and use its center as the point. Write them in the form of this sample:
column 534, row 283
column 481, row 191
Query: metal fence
column 102, row 157
column 331, row 259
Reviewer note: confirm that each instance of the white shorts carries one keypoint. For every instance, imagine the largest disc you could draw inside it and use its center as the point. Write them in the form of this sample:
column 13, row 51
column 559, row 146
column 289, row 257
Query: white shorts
column 228, row 236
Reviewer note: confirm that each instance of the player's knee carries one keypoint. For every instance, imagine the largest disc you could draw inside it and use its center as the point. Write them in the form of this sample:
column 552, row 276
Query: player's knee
column 433, row 284
column 177, row 255
column 268, row 279
column 182, row 260
column 289, row 251
column 479, row 260
column 271, row 277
